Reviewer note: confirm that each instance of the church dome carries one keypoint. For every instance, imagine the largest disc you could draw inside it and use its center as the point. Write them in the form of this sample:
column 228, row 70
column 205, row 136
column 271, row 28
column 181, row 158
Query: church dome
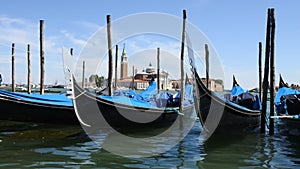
column 150, row 69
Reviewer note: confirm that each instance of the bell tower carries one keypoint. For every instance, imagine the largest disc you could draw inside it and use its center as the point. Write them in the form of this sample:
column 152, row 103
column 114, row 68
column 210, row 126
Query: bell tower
column 124, row 64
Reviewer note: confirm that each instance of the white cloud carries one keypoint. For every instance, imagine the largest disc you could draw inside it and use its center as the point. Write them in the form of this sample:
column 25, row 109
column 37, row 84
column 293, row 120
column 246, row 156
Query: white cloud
column 73, row 39
column 93, row 27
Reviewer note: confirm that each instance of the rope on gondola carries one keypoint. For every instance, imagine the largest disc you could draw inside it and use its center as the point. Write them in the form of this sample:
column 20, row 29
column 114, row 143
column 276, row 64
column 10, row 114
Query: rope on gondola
column 174, row 110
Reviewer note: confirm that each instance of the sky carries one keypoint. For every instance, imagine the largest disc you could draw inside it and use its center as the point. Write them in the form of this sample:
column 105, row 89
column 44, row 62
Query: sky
column 233, row 28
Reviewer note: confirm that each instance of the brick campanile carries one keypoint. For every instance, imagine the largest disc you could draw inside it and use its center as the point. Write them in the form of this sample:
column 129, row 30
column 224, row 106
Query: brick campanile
column 124, row 65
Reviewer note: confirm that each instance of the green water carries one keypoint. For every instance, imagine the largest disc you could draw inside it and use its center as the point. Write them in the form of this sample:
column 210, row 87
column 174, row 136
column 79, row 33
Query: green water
column 28, row 145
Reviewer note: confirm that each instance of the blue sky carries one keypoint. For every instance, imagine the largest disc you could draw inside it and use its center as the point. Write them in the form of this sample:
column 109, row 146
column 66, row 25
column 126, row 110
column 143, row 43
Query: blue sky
column 233, row 27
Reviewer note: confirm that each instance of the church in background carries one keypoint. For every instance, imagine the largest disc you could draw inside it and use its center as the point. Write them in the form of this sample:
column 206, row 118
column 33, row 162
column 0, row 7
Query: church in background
column 141, row 77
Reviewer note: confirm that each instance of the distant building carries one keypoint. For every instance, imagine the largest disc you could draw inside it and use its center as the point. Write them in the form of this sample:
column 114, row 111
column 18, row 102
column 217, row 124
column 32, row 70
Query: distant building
column 214, row 85
column 89, row 83
column 137, row 84
column 141, row 78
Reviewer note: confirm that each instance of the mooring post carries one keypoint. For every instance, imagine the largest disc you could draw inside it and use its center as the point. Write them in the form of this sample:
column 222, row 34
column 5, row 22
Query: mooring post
column 266, row 76
column 83, row 72
column 207, row 65
column 110, row 57
column 158, row 70
column 182, row 62
column 28, row 69
column 42, row 55
column 68, row 81
column 13, row 67
column 116, row 68
column 272, row 73
column 132, row 83
column 259, row 69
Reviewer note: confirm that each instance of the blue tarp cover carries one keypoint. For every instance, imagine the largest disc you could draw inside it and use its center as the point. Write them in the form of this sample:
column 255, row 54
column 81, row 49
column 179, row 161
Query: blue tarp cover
column 144, row 96
column 128, row 101
column 130, row 97
column 237, row 90
column 149, row 92
column 52, row 99
column 284, row 91
column 143, row 99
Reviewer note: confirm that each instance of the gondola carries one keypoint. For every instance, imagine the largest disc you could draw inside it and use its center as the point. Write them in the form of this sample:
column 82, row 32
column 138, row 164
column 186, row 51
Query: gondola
column 126, row 112
column 223, row 114
column 47, row 108
column 287, row 104
column 217, row 114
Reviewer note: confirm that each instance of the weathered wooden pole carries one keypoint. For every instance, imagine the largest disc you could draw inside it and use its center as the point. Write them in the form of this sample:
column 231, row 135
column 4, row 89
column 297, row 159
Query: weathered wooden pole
column 68, row 74
column 132, row 83
column 259, row 69
column 116, row 68
column 158, row 70
column 42, row 56
column 182, row 62
column 28, row 69
column 13, row 67
column 83, row 72
column 110, row 57
column 272, row 73
column 266, row 76
column 207, row 65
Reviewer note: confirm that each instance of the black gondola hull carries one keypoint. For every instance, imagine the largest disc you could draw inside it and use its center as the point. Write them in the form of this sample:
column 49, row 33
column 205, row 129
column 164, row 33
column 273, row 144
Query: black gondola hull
column 25, row 111
column 101, row 113
column 232, row 117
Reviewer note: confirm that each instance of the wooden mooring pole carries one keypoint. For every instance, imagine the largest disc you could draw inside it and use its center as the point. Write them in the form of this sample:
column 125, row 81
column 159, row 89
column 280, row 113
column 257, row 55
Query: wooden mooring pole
column 272, row 73
column 158, row 70
column 116, row 68
column 28, row 70
column 13, row 67
column 132, row 83
column 83, row 72
column 110, row 57
column 207, row 65
column 182, row 62
column 259, row 69
column 42, row 56
column 68, row 82
column 266, row 76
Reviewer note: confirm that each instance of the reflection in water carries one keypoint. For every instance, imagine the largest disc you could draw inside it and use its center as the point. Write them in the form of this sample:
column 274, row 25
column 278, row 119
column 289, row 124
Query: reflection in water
column 35, row 146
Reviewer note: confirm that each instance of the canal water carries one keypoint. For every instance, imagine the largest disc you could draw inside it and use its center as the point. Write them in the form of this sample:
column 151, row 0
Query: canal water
column 28, row 145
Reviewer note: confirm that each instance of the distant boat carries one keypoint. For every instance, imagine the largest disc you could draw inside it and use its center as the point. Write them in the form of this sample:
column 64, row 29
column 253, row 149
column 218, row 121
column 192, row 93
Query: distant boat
column 47, row 108
column 287, row 103
column 234, row 117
